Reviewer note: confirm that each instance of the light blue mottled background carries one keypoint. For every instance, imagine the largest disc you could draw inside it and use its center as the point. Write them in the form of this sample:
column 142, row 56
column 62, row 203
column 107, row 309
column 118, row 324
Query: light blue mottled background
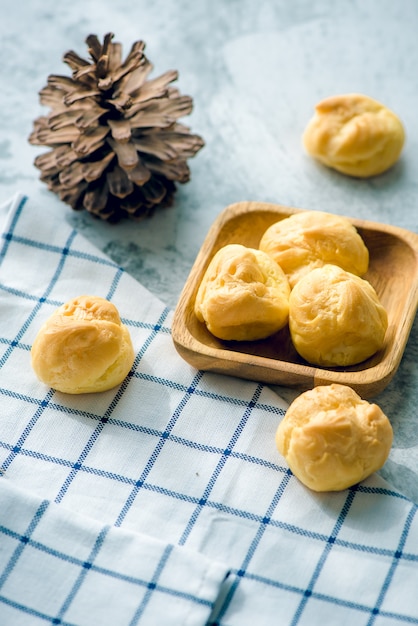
column 255, row 71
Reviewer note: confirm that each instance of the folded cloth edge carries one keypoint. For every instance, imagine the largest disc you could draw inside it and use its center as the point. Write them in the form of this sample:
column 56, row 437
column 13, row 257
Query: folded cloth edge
column 27, row 521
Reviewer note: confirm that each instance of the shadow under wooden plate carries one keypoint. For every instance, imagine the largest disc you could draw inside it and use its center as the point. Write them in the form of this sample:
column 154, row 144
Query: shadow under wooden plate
column 393, row 272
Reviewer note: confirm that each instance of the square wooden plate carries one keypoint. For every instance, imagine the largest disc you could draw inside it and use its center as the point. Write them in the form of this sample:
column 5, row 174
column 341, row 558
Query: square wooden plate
column 393, row 272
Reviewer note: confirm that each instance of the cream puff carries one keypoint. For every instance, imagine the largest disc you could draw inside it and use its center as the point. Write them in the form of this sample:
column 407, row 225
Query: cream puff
column 336, row 318
column 243, row 296
column 310, row 239
column 83, row 347
column 332, row 439
column 355, row 135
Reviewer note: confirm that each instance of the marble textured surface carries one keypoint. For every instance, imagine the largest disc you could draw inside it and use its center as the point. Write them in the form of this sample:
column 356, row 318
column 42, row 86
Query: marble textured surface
column 255, row 71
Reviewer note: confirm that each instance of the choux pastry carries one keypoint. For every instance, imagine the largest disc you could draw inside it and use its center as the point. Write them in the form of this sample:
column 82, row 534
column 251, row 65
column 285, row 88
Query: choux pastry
column 310, row 239
column 243, row 296
column 332, row 439
column 83, row 347
column 355, row 135
column 336, row 318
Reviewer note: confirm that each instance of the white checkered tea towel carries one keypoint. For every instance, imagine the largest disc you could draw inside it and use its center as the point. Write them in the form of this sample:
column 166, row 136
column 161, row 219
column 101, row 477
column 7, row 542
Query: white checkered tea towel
column 165, row 501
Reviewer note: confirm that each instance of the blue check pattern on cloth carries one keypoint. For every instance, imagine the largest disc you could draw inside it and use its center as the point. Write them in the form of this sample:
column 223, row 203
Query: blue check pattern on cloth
column 165, row 501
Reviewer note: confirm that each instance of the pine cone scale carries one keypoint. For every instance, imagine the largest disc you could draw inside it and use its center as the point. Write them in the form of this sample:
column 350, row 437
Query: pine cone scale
column 88, row 142
column 115, row 56
column 75, row 62
column 157, row 87
column 136, row 82
column 120, row 130
column 51, row 97
column 73, row 196
column 65, row 155
column 80, row 94
column 67, row 134
column 72, row 175
column 119, row 183
column 157, row 146
column 126, row 153
column 95, row 48
column 94, row 169
column 96, row 199
column 139, row 174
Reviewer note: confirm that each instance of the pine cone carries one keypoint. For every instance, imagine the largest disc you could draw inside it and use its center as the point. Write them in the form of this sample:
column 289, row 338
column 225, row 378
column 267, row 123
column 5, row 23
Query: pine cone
column 117, row 148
